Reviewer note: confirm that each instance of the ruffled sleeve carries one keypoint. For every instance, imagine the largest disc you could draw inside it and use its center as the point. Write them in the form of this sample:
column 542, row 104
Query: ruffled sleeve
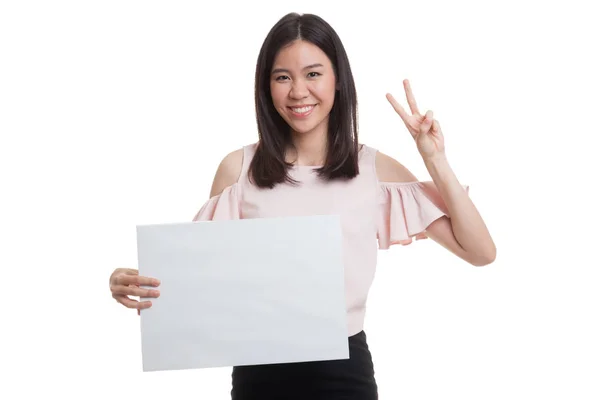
column 225, row 206
column 406, row 210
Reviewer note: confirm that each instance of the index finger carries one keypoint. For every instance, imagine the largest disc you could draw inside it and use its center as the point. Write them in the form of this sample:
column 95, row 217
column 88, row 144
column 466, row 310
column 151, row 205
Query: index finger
column 399, row 109
column 137, row 280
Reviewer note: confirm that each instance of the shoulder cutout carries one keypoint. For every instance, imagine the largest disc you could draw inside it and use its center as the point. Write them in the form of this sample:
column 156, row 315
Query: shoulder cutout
column 390, row 170
column 228, row 172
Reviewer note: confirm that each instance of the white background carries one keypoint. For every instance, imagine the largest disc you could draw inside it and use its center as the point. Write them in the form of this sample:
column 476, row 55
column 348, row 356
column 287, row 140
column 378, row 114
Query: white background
column 117, row 113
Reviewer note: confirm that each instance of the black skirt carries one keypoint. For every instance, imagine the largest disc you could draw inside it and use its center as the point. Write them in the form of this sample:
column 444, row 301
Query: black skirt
column 351, row 379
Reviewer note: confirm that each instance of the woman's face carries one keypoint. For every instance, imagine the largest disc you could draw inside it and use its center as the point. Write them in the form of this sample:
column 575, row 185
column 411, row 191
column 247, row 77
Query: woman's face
column 303, row 87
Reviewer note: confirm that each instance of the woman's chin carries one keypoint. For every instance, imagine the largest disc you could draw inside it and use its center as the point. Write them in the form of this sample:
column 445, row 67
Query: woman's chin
column 303, row 128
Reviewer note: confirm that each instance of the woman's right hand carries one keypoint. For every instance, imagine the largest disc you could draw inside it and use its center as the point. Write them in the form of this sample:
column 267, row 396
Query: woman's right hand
column 125, row 282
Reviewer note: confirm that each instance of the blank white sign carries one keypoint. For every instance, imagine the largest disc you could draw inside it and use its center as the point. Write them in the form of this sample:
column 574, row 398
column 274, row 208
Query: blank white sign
column 243, row 292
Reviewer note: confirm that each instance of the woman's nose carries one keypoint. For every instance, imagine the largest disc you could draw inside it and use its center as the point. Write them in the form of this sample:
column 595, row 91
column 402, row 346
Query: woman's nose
column 299, row 90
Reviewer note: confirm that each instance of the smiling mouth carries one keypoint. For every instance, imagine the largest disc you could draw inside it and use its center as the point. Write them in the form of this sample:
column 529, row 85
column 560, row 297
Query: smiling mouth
column 302, row 111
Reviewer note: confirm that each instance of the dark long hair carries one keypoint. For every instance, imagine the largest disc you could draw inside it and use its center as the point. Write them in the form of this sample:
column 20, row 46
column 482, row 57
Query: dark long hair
column 268, row 166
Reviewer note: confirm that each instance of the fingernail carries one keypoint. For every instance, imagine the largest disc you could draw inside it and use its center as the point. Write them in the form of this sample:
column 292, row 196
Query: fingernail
column 156, row 282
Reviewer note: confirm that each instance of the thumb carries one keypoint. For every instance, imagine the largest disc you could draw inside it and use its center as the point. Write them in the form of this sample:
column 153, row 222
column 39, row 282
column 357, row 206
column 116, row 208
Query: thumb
column 130, row 271
column 427, row 122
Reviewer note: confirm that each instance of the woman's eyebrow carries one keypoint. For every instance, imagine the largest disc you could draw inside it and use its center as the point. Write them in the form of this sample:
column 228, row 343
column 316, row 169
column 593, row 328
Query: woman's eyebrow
column 279, row 70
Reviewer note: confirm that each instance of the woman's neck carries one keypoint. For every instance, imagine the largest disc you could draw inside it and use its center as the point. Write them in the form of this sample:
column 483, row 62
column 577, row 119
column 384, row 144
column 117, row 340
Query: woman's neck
column 309, row 149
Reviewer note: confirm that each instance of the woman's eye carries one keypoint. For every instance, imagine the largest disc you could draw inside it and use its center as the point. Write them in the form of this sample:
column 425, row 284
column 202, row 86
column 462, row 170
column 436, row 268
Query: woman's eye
column 285, row 77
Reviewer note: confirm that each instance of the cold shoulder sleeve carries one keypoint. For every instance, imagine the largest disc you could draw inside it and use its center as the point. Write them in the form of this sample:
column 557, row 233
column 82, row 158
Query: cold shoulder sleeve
column 224, row 206
column 406, row 209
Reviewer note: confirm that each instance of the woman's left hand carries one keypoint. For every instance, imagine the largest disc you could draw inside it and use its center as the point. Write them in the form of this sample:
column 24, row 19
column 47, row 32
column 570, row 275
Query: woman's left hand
column 424, row 128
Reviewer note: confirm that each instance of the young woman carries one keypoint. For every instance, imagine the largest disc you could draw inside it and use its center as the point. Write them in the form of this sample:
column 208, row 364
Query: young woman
column 308, row 160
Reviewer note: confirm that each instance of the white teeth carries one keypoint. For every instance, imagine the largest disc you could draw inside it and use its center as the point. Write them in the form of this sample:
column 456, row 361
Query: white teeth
column 302, row 110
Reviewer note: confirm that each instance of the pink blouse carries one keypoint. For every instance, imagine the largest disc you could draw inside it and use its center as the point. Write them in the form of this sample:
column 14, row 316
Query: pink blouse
column 374, row 215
